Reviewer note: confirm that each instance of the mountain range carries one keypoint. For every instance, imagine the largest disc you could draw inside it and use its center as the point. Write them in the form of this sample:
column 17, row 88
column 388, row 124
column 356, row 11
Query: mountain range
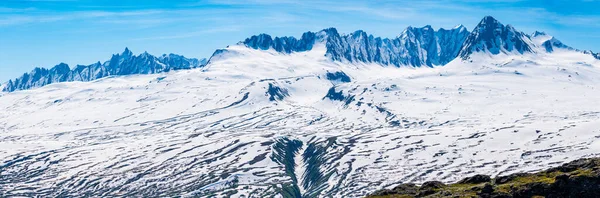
column 124, row 63
column 322, row 115
column 414, row 47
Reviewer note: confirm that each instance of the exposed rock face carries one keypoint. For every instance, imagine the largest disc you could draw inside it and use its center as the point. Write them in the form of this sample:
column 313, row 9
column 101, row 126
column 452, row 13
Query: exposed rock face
column 120, row 64
column 580, row 178
column 415, row 46
column 492, row 36
column 276, row 93
column 338, row 76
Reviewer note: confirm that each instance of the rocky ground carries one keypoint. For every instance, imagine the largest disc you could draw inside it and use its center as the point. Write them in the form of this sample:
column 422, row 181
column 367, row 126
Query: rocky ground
column 579, row 178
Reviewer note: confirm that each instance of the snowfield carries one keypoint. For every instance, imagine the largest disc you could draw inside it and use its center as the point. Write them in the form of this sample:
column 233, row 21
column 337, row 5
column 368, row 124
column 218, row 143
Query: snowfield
column 258, row 123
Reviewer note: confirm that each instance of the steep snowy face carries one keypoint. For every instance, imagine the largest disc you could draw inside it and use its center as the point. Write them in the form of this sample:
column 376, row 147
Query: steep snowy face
column 554, row 43
column 120, row 64
column 427, row 47
column 450, row 43
column 539, row 37
column 547, row 43
column 493, row 37
column 414, row 47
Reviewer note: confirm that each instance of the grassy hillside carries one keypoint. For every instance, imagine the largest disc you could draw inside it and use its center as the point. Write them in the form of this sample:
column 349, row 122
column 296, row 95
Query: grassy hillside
column 580, row 178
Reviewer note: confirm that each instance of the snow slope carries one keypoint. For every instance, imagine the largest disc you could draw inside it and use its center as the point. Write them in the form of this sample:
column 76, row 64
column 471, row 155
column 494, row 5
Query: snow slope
column 259, row 123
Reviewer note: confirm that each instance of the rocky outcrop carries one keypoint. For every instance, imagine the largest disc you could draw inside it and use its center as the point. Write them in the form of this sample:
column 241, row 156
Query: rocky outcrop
column 415, row 46
column 493, row 37
column 579, row 178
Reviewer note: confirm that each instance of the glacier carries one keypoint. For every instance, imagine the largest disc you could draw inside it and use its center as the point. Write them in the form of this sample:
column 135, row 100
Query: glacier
column 284, row 117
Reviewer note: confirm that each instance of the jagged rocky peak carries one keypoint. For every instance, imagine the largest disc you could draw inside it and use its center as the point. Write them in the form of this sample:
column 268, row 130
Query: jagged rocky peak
column 127, row 53
column 493, row 37
column 425, row 46
column 124, row 63
column 285, row 44
column 414, row 47
column 538, row 33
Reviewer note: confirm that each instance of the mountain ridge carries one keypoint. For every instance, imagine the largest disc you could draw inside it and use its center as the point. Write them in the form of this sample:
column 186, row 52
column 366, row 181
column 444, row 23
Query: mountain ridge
column 417, row 47
column 414, row 47
column 124, row 63
column 260, row 123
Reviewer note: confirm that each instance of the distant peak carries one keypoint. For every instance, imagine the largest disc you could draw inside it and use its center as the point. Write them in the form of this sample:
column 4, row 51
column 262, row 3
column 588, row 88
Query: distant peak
column 61, row 67
column 127, row 52
column 330, row 31
column 538, row 33
column 119, row 64
column 488, row 20
column 358, row 32
column 411, row 31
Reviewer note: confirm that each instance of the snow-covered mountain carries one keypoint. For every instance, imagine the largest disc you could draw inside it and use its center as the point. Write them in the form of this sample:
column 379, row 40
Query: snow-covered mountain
column 493, row 37
column 414, row 47
column 301, row 117
column 120, row 64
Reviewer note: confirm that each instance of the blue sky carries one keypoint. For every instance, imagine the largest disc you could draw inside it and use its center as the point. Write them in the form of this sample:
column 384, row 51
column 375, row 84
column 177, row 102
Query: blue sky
column 43, row 33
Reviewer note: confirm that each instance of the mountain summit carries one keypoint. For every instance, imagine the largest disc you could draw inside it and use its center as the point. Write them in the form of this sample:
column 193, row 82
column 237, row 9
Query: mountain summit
column 492, row 36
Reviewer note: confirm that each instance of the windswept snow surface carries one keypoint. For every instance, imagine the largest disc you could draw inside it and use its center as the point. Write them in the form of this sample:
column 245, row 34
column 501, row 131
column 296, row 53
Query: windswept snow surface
column 256, row 123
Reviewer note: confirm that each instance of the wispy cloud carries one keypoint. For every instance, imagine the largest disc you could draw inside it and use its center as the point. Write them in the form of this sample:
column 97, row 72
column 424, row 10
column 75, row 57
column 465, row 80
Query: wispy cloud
column 190, row 34
column 15, row 10
column 46, row 16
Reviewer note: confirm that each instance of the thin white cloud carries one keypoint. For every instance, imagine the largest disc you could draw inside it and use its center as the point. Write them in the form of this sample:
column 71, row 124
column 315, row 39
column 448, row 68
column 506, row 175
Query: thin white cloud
column 15, row 10
column 191, row 34
column 45, row 16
